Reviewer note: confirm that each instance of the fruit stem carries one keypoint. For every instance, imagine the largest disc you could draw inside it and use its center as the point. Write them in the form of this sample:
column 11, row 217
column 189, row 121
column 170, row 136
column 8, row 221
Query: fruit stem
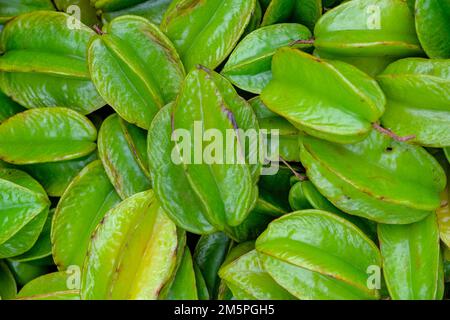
column 307, row 41
column 98, row 30
column 391, row 134
column 299, row 176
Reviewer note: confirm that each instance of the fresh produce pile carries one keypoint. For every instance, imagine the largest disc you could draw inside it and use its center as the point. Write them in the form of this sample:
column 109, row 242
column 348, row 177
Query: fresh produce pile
column 101, row 199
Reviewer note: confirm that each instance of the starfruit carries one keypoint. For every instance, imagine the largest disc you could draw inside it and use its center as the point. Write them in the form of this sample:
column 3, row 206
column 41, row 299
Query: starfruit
column 187, row 284
column 209, row 254
column 196, row 182
column 133, row 253
column 23, row 211
column 135, row 68
column 46, row 135
column 205, row 32
column 81, row 208
column 8, row 107
column 304, row 195
column 79, row 9
column 433, row 27
column 152, row 10
column 372, row 178
column 42, row 248
column 307, row 12
column 24, row 272
column 123, row 151
column 412, row 261
column 287, row 136
column 368, row 33
column 10, row 9
column 45, row 65
column 249, row 64
column 277, row 11
column 247, row 279
column 314, row 254
column 56, row 176
column 418, row 100
column 8, row 287
column 52, row 286
column 331, row 100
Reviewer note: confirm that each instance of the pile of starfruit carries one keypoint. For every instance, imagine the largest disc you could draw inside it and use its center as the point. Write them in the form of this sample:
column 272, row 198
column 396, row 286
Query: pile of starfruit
column 224, row 149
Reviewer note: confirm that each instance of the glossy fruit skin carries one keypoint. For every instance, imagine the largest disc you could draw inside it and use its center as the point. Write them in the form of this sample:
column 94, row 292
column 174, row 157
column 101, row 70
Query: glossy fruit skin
column 8, row 107
column 153, row 10
column 313, row 264
column 209, row 254
column 15, row 8
column 56, row 176
column 288, row 134
column 52, row 286
column 202, row 199
column 42, row 135
column 135, row 68
column 113, row 272
column 247, row 279
column 249, row 65
column 344, row 113
column 433, row 27
column 205, row 32
column 123, row 151
column 379, row 185
column 412, row 260
column 45, row 65
column 8, row 287
column 304, row 195
column 24, row 209
column 368, row 33
column 81, row 208
column 418, row 95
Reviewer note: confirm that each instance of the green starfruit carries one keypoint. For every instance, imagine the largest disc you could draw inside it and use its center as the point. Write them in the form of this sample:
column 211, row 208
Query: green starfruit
column 372, row 178
column 277, row 11
column 52, row 286
column 418, row 100
column 81, row 208
column 307, row 12
column 249, row 65
column 12, row 8
column 135, row 68
column 331, row 100
column 56, row 176
column 23, row 211
column 247, row 279
column 433, row 27
column 8, row 107
column 196, row 182
column 209, row 254
column 8, row 287
column 42, row 248
column 152, row 10
column 79, row 9
column 46, row 135
column 24, row 272
column 123, row 151
column 304, row 195
column 205, row 32
column 314, row 254
column 368, row 33
column 287, row 136
column 133, row 252
column 45, row 65
column 412, row 260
